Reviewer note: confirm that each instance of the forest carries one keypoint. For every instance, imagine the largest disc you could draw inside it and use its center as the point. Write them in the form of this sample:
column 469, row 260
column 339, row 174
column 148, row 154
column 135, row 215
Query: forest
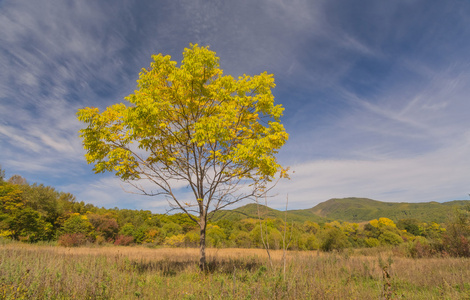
column 34, row 213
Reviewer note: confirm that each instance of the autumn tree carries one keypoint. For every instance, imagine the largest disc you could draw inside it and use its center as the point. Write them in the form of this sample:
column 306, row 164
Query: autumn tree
column 190, row 124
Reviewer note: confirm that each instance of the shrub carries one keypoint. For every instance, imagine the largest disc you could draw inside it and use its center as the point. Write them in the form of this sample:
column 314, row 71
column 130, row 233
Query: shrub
column 153, row 236
column 390, row 238
column 308, row 242
column 456, row 245
column 105, row 225
column 72, row 239
column 372, row 242
column 412, row 226
column 174, row 241
column 419, row 248
column 124, row 240
column 100, row 240
column 311, row 227
column 456, row 240
column 215, row 236
column 334, row 239
column 241, row 239
column 191, row 239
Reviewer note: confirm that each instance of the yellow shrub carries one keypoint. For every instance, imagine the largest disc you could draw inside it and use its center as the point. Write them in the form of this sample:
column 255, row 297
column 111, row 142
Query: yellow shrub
column 174, row 241
column 6, row 233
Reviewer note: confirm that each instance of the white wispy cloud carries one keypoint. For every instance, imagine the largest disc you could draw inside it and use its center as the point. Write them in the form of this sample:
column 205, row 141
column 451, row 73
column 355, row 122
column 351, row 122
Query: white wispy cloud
column 54, row 57
column 16, row 137
column 436, row 176
column 109, row 191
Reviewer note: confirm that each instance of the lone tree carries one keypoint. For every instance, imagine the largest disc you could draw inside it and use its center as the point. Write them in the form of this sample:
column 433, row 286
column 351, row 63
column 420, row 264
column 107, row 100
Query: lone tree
column 192, row 124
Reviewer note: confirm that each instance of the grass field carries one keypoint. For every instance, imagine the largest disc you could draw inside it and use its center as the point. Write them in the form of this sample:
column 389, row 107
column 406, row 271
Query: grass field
column 50, row 272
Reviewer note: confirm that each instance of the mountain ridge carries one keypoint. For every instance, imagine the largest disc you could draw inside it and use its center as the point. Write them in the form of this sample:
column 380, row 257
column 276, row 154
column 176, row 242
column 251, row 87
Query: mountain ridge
column 351, row 209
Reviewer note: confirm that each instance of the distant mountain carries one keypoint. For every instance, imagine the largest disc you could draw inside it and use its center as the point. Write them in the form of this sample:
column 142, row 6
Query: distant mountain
column 363, row 209
column 251, row 211
column 350, row 210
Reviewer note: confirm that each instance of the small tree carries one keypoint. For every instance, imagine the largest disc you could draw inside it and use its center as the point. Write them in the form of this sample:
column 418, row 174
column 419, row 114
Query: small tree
column 217, row 134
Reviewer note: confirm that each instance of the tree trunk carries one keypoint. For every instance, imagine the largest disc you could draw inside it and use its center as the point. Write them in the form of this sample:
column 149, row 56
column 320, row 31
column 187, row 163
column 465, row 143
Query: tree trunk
column 202, row 245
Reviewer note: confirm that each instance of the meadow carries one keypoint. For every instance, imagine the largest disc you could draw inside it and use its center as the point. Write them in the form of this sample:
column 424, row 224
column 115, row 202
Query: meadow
column 30, row 271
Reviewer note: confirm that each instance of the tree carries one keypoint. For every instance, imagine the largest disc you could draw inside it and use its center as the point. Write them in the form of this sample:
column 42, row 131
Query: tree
column 28, row 225
column 333, row 238
column 2, row 174
column 11, row 198
column 43, row 199
column 456, row 240
column 17, row 179
column 192, row 124
column 105, row 225
column 77, row 223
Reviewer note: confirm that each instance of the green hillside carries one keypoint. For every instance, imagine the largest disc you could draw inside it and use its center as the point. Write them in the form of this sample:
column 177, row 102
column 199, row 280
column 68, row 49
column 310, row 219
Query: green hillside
column 251, row 211
column 363, row 209
column 350, row 210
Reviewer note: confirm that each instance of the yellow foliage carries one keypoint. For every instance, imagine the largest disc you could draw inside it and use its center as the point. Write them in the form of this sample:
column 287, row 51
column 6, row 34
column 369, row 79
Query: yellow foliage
column 382, row 222
column 387, row 222
column 6, row 233
column 177, row 111
column 174, row 241
column 333, row 224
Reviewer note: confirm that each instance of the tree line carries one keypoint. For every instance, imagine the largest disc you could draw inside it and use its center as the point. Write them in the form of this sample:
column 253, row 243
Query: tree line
column 34, row 212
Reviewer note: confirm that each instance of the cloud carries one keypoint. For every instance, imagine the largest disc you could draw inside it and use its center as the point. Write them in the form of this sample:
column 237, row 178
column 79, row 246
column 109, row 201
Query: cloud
column 109, row 191
column 16, row 137
column 437, row 176
column 56, row 58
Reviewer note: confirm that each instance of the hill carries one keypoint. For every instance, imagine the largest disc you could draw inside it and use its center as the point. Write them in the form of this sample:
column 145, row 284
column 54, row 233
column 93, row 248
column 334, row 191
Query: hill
column 363, row 209
column 350, row 210
column 251, row 211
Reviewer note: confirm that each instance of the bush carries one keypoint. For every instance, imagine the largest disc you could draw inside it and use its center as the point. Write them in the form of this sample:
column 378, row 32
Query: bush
column 456, row 245
column 390, row 238
column 191, row 239
column 100, row 240
column 456, row 241
column 372, row 242
column 215, row 236
column 72, row 239
column 412, row 226
column 241, row 239
column 334, row 239
column 105, row 225
column 154, row 236
column 124, row 240
column 174, row 240
column 419, row 248
column 308, row 242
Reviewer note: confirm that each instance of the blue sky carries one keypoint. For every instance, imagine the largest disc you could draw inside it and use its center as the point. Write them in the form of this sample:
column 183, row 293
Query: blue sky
column 376, row 93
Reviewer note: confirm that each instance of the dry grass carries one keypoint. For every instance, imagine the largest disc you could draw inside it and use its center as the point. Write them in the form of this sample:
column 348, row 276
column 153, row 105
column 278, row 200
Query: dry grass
column 48, row 272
